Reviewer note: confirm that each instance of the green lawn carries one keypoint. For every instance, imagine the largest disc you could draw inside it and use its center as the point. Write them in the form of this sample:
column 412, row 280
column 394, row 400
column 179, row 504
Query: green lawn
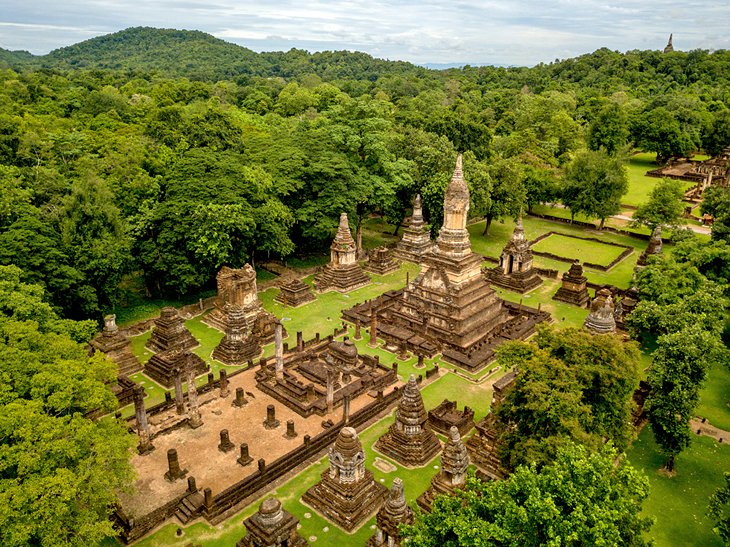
column 715, row 398
column 640, row 186
column 679, row 504
column 580, row 249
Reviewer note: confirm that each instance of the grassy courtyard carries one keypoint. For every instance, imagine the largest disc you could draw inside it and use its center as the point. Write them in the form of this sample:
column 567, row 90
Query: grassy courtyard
column 578, row 249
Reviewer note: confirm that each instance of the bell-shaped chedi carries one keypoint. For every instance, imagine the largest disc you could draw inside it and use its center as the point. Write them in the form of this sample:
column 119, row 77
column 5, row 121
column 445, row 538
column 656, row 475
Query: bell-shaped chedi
column 410, row 440
column 117, row 347
column 294, row 293
column 238, row 346
column 452, row 475
column 343, row 273
column 170, row 333
column 654, row 247
column 271, row 526
column 573, row 289
column 515, row 271
column 347, row 493
column 416, row 241
column 601, row 319
column 238, row 294
column 395, row 511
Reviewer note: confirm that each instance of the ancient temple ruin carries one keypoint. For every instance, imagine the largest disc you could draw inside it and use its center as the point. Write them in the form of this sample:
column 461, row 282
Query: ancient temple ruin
column 515, row 271
column 117, row 347
column 395, row 511
column 170, row 333
column 381, row 261
column 410, row 440
column 447, row 415
column 450, row 307
column 343, row 273
column 271, row 526
column 451, row 475
column 654, row 247
column 294, row 293
column 239, row 345
column 573, row 289
column 324, row 377
column 669, row 47
column 163, row 367
column 416, row 241
column 347, row 493
column 238, row 294
column 601, row 319
column 483, row 447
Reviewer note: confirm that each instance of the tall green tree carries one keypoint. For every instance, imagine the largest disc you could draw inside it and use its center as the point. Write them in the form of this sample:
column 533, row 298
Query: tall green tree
column 664, row 207
column 719, row 510
column 609, row 130
column 581, row 498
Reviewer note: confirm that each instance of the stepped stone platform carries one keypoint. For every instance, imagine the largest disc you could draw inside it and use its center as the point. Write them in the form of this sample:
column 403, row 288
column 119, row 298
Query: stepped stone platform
column 347, row 493
column 447, row 415
column 238, row 294
column 410, row 440
column 271, row 526
column 573, row 289
column 343, row 273
column 416, row 241
column 381, row 262
column 164, row 366
column 449, row 307
column 170, row 333
column 451, row 475
column 117, row 347
column 294, row 293
column 515, row 271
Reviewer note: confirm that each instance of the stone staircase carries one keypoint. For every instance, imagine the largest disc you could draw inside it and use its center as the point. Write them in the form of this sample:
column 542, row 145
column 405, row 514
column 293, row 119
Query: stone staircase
column 190, row 507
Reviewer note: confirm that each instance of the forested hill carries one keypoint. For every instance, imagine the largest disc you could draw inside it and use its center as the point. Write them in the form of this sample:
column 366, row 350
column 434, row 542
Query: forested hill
column 200, row 56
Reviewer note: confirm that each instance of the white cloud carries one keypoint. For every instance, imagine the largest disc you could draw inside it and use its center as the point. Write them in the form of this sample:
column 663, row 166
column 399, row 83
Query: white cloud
column 473, row 31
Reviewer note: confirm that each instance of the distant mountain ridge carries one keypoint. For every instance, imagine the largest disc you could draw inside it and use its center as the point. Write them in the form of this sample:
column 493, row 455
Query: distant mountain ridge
column 198, row 55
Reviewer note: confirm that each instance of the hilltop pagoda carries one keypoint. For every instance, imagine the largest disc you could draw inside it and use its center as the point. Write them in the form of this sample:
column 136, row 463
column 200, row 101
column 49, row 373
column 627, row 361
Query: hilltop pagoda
column 343, row 273
column 515, row 271
column 449, row 307
column 416, row 241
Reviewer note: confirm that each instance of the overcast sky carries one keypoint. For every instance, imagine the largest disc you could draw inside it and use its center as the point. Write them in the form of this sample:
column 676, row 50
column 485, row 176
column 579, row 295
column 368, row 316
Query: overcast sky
column 424, row 31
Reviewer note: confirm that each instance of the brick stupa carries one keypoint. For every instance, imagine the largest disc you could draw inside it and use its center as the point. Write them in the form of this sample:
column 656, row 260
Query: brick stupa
column 238, row 293
column 238, row 346
column 395, row 511
column 294, row 293
column 271, row 526
column 170, row 333
column 515, row 271
column 601, row 319
column 381, row 261
column 162, row 366
column 410, row 440
column 452, row 475
column 347, row 493
column 343, row 273
column 573, row 289
column 117, row 347
column 416, row 241
column 654, row 247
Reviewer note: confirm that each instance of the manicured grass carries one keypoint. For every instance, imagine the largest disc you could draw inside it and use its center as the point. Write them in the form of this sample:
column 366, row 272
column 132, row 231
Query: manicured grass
column 679, row 504
column 581, row 249
column 640, row 186
column 715, row 398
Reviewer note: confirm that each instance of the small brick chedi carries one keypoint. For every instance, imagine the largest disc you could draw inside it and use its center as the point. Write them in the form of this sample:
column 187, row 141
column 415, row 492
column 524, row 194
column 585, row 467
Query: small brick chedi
column 410, row 440
column 450, row 306
column 271, row 526
column 395, row 511
column 447, row 415
column 294, row 293
column 347, row 493
column 515, row 271
column 416, row 241
column 601, row 319
column 170, row 333
column 239, row 345
column 573, row 289
column 238, row 294
column 381, row 262
column 484, row 446
column 117, row 347
column 654, row 247
column 343, row 273
column 452, row 475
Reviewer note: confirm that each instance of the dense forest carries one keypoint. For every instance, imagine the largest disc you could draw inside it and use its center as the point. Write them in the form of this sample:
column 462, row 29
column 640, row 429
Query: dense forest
column 160, row 155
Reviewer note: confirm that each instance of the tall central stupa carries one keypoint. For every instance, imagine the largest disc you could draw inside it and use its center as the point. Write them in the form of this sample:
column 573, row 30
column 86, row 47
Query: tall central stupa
column 449, row 307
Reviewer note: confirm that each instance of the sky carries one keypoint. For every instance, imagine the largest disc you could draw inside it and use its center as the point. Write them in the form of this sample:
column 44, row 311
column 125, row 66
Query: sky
column 502, row 32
